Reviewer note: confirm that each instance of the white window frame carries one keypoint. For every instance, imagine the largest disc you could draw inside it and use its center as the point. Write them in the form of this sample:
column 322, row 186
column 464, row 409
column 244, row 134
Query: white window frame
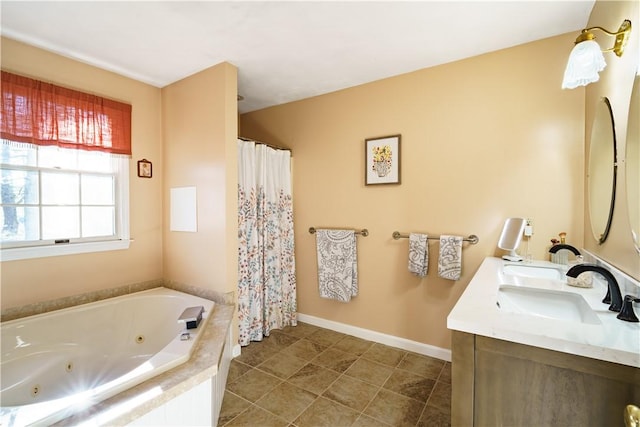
column 120, row 242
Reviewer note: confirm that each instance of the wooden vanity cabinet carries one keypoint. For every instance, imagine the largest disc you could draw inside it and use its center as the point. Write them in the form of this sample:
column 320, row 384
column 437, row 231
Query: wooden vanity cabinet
column 500, row 383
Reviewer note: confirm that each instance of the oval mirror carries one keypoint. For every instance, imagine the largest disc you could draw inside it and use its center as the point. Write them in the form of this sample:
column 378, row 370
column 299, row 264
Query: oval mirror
column 602, row 171
column 632, row 163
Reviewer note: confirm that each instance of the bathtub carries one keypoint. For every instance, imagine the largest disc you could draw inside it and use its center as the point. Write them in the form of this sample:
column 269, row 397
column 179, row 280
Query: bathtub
column 57, row 363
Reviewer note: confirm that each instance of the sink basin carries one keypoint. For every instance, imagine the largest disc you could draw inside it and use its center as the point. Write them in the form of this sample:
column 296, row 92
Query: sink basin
column 533, row 271
column 546, row 303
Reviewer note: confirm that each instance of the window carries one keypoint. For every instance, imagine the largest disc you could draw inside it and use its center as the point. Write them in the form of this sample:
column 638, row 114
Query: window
column 53, row 196
column 63, row 175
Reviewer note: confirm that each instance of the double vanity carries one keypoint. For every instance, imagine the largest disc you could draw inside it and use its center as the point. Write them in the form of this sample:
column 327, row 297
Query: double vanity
column 528, row 349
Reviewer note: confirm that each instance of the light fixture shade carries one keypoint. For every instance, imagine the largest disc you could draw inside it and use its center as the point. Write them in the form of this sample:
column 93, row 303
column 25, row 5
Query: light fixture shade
column 585, row 62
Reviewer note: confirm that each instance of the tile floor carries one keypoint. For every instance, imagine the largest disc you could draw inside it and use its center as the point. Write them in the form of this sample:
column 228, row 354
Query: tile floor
column 309, row 376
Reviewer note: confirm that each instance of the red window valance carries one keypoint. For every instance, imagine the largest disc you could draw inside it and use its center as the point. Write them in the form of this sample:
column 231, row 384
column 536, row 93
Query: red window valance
column 40, row 113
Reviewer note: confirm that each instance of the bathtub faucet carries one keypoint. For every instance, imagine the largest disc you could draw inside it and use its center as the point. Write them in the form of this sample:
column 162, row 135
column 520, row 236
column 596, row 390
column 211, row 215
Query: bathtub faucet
column 191, row 316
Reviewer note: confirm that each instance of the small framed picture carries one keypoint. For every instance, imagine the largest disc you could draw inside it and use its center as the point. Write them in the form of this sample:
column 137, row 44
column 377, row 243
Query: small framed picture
column 382, row 160
column 145, row 168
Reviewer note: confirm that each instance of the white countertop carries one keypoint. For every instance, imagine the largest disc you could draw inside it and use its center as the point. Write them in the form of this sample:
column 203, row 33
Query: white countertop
column 476, row 312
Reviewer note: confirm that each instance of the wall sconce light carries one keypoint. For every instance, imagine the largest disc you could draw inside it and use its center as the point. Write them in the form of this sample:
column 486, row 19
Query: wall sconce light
column 586, row 59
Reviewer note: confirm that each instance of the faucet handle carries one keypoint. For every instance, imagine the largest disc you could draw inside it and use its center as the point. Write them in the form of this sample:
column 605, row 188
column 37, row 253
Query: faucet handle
column 627, row 313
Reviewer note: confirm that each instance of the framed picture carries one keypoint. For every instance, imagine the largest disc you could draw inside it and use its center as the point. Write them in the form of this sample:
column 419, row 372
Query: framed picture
column 382, row 160
column 145, row 168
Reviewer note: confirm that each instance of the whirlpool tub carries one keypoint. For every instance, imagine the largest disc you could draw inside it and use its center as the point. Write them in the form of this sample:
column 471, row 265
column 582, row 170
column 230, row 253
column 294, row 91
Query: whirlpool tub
column 60, row 362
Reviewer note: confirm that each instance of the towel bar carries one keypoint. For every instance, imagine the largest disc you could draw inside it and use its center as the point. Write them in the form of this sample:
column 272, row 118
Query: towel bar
column 473, row 239
column 364, row 232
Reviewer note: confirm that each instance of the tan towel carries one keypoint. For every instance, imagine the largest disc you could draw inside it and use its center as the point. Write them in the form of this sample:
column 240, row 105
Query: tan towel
column 337, row 264
column 450, row 260
column 418, row 254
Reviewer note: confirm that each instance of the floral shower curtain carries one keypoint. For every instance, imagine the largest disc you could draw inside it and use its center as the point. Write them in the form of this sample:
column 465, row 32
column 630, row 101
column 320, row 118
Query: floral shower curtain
column 266, row 265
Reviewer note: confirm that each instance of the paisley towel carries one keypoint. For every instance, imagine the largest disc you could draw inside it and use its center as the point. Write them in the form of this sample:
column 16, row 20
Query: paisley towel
column 418, row 254
column 337, row 264
column 450, row 260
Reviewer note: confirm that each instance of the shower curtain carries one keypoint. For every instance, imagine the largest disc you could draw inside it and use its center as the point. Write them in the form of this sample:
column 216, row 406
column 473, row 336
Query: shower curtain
column 266, row 264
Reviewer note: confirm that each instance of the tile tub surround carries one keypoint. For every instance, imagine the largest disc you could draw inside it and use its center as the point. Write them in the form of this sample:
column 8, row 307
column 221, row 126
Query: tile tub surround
column 13, row 313
column 310, row 376
column 476, row 313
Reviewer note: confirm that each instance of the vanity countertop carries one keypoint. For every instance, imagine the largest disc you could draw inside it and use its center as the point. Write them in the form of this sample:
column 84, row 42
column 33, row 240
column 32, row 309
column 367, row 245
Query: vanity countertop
column 476, row 313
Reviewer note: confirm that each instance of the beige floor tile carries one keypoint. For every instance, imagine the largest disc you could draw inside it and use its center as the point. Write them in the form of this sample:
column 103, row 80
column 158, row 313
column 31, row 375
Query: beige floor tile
column 354, row 345
column 422, row 365
column 279, row 340
column 282, row 365
column 236, row 370
column 304, row 349
column 441, row 397
column 410, row 385
column 336, row 360
column 255, row 353
column 365, row 421
column 369, row 371
column 325, row 413
column 304, row 376
column 314, row 378
column 395, row 409
column 325, row 337
column 255, row 416
column 253, row 385
column 384, row 354
column 287, row 401
column 301, row 330
column 351, row 392
column 433, row 417
column 445, row 375
column 232, row 406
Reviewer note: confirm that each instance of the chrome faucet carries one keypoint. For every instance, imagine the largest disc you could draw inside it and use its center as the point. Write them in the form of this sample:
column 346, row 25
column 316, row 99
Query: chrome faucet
column 613, row 297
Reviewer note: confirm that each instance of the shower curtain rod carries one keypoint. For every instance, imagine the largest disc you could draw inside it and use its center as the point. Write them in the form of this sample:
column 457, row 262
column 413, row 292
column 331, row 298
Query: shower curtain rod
column 276, row 147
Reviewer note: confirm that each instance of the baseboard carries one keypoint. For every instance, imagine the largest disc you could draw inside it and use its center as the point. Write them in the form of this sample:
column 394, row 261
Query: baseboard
column 390, row 340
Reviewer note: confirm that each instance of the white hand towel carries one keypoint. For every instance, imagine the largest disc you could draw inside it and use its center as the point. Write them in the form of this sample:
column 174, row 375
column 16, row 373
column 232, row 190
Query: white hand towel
column 418, row 254
column 337, row 264
column 450, row 260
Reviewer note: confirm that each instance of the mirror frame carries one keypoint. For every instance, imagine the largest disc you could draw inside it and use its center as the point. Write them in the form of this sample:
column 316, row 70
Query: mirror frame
column 607, row 229
column 633, row 129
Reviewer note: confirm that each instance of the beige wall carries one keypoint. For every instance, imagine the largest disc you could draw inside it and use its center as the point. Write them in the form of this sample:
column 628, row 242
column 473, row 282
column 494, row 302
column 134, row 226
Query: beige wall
column 29, row 281
column 615, row 82
column 483, row 139
column 188, row 130
column 199, row 122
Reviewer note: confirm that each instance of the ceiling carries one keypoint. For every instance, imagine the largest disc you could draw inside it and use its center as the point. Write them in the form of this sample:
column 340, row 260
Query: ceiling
column 288, row 50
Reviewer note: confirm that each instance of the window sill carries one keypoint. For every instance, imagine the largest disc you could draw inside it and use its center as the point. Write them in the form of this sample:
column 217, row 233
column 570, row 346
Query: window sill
column 14, row 254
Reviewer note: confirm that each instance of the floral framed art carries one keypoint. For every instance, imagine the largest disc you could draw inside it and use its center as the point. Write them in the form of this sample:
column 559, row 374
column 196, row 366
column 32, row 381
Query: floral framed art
column 382, row 160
